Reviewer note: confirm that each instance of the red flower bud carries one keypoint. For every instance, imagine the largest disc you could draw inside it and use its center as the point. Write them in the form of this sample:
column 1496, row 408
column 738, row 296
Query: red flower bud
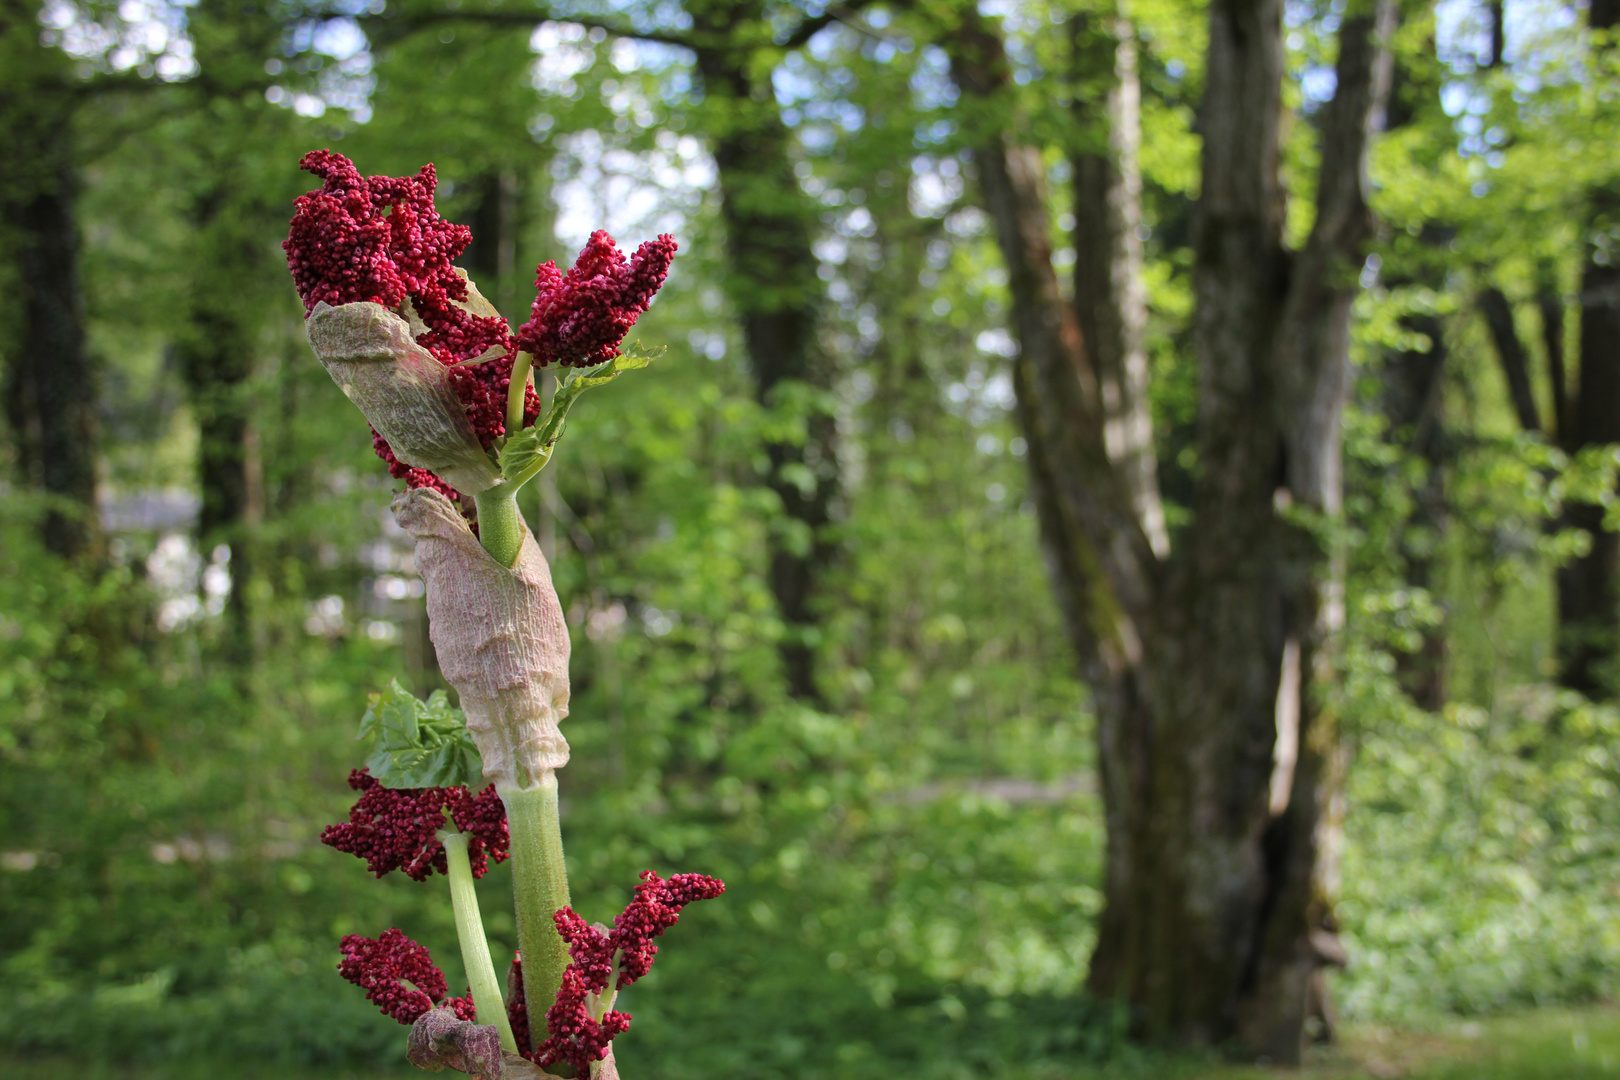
column 399, row 977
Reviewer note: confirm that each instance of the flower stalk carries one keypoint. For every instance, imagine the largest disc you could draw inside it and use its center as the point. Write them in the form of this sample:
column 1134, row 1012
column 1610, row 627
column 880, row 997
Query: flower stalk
column 486, row 989
column 540, row 890
column 518, row 392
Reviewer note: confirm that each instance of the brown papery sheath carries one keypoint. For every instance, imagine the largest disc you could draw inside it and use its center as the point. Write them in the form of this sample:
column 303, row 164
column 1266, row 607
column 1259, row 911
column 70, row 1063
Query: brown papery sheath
column 500, row 636
column 403, row 390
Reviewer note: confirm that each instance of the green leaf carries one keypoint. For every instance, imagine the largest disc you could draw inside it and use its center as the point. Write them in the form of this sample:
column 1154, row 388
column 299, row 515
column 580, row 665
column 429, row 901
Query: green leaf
column 639, row 355
column 416, row 743
column 523, row 450
column 527, row 452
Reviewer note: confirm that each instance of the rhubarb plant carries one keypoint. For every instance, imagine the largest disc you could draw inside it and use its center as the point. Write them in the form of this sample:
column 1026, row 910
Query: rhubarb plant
column 448, row 390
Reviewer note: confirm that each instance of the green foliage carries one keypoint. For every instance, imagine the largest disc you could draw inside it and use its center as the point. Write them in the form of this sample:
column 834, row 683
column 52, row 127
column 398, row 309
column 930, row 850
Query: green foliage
column 418, row 744
column 1484, row 876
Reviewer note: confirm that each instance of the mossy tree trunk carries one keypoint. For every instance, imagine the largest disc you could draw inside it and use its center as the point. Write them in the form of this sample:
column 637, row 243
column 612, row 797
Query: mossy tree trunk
column 1211, row 663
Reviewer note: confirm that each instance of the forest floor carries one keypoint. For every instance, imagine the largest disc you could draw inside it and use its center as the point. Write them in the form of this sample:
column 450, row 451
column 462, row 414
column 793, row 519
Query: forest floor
column 1542, row 1044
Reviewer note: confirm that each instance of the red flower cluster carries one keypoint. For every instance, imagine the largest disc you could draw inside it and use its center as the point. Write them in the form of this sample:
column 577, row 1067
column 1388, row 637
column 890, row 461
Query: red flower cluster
column 380, row 239
column 399, row 977
column 395, row 828
column 579, row 318
column 657, row 906
column 574, row 1034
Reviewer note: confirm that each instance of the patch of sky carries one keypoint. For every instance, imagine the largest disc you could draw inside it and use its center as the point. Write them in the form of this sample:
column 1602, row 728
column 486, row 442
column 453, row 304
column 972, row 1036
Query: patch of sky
column 831, row 250
column 931, row 83
column 148, row 37
column 334, row 51
column 967, row 222
column 984, row 394
column 936, row 185
column 562, row 51
column 634, row 194
column 1541, row 47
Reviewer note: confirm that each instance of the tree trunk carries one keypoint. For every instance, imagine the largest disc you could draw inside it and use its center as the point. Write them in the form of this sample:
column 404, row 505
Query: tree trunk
column 50, row 385
column 1589, row 584
column 1110, row 296
column 1412, row 403
column 1220, row 763
column 1511, row 354
column 216, row 362
column 772, row 284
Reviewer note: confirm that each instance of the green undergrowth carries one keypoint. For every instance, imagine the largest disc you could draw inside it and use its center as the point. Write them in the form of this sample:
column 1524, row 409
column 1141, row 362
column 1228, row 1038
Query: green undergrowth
column 1541, row 1044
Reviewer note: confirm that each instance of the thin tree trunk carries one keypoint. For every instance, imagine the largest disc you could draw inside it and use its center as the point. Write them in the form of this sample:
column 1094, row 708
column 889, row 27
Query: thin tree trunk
column 1551, row 305
column 772, row 283
column 1412, row 402
column 50, row 385
column 216, row 362
column 1510, row 352
column 1217, row 912
column 1589, row 584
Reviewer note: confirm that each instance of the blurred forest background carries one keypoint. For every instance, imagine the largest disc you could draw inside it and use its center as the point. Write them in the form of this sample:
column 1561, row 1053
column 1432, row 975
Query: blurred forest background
column 817, row 648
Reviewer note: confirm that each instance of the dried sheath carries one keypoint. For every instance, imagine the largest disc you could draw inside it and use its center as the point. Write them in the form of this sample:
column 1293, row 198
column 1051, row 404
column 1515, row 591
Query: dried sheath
column 403, row 390
column 439, row 1039
column 500, row 636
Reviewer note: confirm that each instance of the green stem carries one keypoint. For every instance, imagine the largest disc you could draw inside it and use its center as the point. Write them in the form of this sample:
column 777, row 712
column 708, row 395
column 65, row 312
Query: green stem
column 515, row 394
column 486, row 990
column 540, row 888
column 500, row 526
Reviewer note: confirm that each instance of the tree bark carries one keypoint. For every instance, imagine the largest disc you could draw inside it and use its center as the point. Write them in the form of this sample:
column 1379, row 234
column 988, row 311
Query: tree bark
column 230, row 129
column 1551, row 305
column 50, row 385
column 772, row 284
column 1110, row 296
column 1589, row 584
column 216, row 362
column 1222, row 851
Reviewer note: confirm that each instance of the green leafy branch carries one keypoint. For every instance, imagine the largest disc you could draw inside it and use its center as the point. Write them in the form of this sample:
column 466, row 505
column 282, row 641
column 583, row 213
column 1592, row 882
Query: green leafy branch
column 416, row 743
column 528, row 450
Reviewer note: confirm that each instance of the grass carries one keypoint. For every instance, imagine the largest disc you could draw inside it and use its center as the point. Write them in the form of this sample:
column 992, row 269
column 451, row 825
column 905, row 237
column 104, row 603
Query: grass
column 1544, row 1044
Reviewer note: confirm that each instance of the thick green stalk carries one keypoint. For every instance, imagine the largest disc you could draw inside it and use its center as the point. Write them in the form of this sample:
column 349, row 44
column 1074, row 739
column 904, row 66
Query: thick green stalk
column 486, row 989
column 500, row 525
column 540, row 888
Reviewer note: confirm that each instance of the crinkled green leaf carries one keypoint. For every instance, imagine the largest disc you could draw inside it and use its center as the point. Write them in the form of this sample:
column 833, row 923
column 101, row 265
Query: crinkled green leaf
column 416, row 743
column 522, row 450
